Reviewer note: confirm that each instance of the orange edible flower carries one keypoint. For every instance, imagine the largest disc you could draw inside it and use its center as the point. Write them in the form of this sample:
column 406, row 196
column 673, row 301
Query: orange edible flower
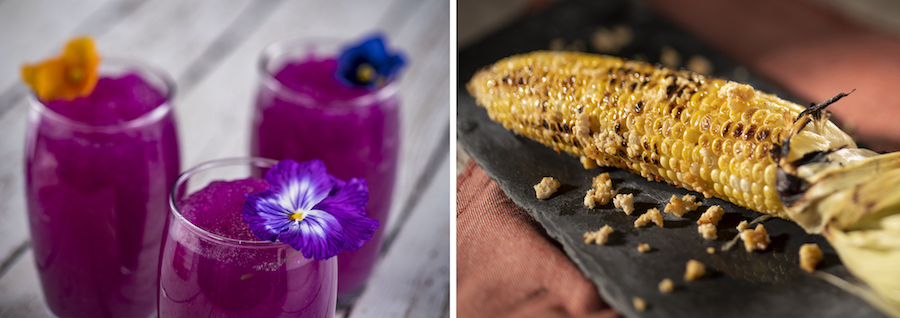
column 72, row 75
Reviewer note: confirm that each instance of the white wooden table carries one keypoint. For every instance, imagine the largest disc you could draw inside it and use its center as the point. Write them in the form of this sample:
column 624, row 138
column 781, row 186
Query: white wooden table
column 210, row 47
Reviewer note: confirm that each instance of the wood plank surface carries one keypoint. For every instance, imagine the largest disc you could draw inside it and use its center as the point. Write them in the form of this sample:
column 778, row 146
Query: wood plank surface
column 20, row 292
column 413, row 280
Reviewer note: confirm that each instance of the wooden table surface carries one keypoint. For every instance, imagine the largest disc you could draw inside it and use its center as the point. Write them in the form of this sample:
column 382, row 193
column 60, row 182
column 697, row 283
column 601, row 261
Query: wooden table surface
column 210, row 48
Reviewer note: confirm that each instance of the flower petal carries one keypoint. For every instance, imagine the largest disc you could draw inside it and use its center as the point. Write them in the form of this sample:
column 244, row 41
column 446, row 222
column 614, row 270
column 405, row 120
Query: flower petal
column 347, row 201
column 266, row 216
column 372, row 53
column 358, row 231
column 71, row 75
column 299, row 185
column 319, row 235
column 348, row 205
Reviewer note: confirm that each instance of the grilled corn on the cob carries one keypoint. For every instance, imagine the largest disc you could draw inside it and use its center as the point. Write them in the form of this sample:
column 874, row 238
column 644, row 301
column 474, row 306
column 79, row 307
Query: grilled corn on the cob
column 716, row 137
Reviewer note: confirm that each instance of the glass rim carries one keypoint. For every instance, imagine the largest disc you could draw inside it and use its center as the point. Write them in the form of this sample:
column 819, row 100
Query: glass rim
column 292, row 46
column 182, row 178
column 148, row 118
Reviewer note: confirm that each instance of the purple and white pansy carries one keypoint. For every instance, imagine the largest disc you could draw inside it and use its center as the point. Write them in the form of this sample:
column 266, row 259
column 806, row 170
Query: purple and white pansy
column 310, row 210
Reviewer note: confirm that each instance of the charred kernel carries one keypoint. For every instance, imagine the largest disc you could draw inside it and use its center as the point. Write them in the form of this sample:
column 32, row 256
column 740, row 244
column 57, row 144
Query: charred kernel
column 762, row 134
column 639, row 106
column 738, row 129
column 670, row 89
column 618, row 128
column 633, row 86
column 678, row 112
column 725, row 128
column 751, row 130
column 546, row 126
column 576, row 143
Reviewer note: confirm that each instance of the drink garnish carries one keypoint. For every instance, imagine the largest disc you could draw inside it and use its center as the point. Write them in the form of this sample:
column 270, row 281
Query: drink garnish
column 66, row 77
column 310, row 210
column 368, row 63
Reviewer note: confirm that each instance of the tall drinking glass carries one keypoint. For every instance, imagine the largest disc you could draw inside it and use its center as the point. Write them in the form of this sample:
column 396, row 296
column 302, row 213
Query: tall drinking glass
column 302, row 112
column 97, row 174
column 212, row 264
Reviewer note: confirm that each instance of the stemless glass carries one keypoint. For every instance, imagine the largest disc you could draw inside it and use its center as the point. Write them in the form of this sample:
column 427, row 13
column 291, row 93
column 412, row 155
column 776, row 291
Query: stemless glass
column 204, row 274
column 303, row 113
column 96, row 194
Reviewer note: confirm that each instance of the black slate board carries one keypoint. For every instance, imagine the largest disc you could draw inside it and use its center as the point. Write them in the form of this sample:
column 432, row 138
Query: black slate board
column 737, row 284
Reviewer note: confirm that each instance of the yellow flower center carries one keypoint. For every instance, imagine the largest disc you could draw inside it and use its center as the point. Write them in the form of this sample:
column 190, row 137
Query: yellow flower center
column 76, row 75
column 297, row 216
column 365, row 73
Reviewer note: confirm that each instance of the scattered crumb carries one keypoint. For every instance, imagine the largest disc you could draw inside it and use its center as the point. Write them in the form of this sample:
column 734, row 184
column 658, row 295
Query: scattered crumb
column 680, row 206
column 625, row 202
column 710, row 250
column 639, row 304
column 546, row 188
column 666, row 286
column 559, row 44
column 599, row 237
column 652, row 215
column 694, row 270
column 611, row 41
column 741, row 74
column 810, row 256
column 643, row 247
column 588, row 163
column 669, row 57
column 700, row 65
column 712, row 215
column 602, row 192
column 708, row 231
column 743, row 226
column 756, row 240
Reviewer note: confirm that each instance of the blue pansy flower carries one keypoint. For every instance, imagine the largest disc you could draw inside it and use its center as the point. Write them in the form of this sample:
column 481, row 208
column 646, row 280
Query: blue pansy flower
column 368, row 63
column 310, row 210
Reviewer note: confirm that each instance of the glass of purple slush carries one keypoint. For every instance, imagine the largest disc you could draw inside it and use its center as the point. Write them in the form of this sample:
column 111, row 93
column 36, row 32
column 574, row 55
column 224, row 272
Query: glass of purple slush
column 213, row 265
column 304, row 112
column 98, row 170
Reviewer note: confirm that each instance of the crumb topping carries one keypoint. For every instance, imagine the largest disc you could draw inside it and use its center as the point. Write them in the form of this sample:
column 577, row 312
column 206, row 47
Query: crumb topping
column 602, row 192
column 743, row 226
column 694, row 270
column 624, row 202
column 708, row 230
column 652, row 215
column 712, row 215
column 666, row 286
column 710, row 250
column 680, row 206
column 757, row 239
column 588, row 163
column 810, row 256
column 643, row 247
column 546, row 188
column 639, row 304
column 599, row 237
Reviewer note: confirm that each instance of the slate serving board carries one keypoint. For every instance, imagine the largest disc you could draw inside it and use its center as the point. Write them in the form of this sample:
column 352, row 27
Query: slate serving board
column 737, row 284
